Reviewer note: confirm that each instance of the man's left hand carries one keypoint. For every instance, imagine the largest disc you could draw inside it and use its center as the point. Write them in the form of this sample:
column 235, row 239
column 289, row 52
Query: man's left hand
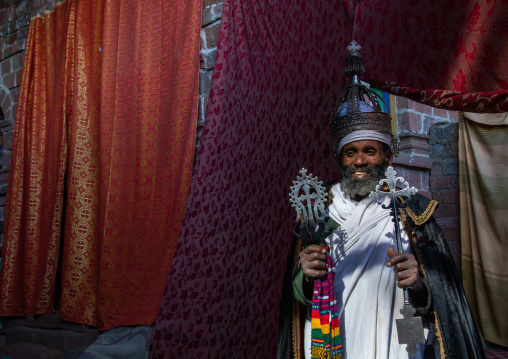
column 406, row 269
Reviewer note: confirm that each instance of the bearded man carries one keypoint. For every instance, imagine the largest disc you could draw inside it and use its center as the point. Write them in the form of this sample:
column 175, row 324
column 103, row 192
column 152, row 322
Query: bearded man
column 357, row 260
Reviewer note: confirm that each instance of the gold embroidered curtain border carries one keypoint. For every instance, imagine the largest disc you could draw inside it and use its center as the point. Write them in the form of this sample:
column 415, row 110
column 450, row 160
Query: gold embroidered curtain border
column 105, row 103
column 483, row 174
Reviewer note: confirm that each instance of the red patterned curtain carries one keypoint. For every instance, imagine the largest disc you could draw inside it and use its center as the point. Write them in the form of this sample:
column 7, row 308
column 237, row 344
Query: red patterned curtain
column 37, row 168
column 452, row 52
column 482, row 102
column 279, row 69
column 105, row 132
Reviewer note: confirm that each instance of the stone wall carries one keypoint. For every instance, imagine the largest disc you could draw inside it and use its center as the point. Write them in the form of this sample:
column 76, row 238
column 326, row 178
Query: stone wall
column 444, row 181
column 212, row 15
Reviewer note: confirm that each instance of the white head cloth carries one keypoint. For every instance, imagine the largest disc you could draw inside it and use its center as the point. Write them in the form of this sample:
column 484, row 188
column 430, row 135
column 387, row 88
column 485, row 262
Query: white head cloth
column 364, row 135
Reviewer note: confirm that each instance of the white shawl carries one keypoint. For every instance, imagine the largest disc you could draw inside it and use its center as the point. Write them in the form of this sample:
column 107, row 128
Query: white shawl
column 368, row 299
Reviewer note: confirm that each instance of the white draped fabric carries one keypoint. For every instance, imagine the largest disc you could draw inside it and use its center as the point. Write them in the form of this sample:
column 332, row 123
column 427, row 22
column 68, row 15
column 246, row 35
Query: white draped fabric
column 368, row 299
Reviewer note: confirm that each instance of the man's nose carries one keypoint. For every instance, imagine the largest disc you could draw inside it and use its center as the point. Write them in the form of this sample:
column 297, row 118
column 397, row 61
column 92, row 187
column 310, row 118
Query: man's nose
column 360, row 160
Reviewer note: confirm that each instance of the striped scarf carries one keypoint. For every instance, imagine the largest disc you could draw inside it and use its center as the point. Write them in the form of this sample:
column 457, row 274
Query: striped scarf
column 326, row 343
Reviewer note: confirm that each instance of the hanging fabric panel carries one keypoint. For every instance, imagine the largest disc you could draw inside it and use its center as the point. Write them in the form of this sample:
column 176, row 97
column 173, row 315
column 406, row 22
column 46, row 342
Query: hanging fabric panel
column 266, row 119
column 480, row 102
column 446, row 55
column 81, row 256
column 38, row 162
column 483, row 173
column 147, row 132
column 122, row 128
column 452, row 45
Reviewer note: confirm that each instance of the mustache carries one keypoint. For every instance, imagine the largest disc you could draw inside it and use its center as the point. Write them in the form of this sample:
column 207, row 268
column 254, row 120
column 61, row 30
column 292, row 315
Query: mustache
column 376, row 169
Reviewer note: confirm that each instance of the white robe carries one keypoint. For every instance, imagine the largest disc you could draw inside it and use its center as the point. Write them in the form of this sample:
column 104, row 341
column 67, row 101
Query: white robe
column 368, row 299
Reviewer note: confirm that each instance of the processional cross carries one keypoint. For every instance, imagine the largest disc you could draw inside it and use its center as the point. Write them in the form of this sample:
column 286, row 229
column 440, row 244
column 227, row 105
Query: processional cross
column 409, row 328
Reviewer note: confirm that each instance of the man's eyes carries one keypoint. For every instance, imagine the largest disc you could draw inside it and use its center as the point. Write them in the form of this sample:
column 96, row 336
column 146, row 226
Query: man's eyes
column 353, row 153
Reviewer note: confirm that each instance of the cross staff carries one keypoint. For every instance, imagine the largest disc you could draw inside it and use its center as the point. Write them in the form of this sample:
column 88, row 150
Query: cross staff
column 409, row 328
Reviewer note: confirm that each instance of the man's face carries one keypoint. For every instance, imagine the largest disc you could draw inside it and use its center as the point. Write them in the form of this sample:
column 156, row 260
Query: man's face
column 363, row 164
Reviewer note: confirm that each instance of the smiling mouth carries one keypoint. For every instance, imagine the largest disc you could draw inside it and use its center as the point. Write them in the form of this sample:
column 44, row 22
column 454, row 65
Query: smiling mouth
column 360, row 174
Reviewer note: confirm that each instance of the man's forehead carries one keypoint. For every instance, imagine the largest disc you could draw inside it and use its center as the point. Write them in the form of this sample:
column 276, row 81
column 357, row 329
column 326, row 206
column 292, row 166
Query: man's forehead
column 363, row 144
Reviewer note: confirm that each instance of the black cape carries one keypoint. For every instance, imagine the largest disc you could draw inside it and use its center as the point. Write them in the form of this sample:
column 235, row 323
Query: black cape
column 452, row 333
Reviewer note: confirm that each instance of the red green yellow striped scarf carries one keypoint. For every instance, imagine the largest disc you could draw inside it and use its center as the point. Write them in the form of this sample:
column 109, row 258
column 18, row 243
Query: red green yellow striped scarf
column 326, row 342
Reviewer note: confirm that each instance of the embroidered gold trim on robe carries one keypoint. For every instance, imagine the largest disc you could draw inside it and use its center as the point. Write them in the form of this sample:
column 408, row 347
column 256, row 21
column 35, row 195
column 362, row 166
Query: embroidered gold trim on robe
column 425, row 215
column 296, row 326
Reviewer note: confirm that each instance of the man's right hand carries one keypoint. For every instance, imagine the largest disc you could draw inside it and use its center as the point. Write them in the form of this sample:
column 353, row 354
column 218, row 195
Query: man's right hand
column 313, row 261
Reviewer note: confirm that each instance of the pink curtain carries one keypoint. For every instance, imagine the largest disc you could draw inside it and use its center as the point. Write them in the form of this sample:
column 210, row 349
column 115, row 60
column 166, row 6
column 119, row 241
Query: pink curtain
column 279, row 69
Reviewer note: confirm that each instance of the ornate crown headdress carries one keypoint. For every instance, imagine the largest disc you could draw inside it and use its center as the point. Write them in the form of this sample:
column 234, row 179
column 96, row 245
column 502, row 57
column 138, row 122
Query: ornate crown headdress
column 359, row 108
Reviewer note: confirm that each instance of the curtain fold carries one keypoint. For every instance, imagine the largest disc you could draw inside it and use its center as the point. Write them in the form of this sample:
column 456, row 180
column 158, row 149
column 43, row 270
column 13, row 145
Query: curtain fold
column 81, row 255
column 105, row 133
column 452, row 100
column 483, row 174
column 36, row 176
column 147, row 136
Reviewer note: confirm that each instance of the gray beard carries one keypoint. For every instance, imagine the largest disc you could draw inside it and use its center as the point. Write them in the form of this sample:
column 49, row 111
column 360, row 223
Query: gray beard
column 353, row 187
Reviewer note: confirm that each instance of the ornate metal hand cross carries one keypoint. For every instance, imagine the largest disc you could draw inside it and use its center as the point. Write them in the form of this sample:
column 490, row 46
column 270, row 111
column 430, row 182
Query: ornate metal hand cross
column 310, row 206
column 391, row 181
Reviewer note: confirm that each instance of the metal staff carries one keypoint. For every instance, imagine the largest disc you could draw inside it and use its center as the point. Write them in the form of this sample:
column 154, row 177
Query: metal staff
column 409, row 328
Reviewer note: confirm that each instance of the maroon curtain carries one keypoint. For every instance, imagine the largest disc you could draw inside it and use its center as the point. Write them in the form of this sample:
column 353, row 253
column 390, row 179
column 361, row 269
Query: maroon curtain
column 446, row 45
column 278, row 71
column 445, row 54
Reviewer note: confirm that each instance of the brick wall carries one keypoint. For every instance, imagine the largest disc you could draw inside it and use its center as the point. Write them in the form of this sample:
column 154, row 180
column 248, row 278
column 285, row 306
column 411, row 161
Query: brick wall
column 429, row 161
column 444, row 182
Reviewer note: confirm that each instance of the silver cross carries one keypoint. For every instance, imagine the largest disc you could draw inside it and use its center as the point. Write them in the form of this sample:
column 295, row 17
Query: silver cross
column 391, row 181
column 310, row 206
column 354, row 46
